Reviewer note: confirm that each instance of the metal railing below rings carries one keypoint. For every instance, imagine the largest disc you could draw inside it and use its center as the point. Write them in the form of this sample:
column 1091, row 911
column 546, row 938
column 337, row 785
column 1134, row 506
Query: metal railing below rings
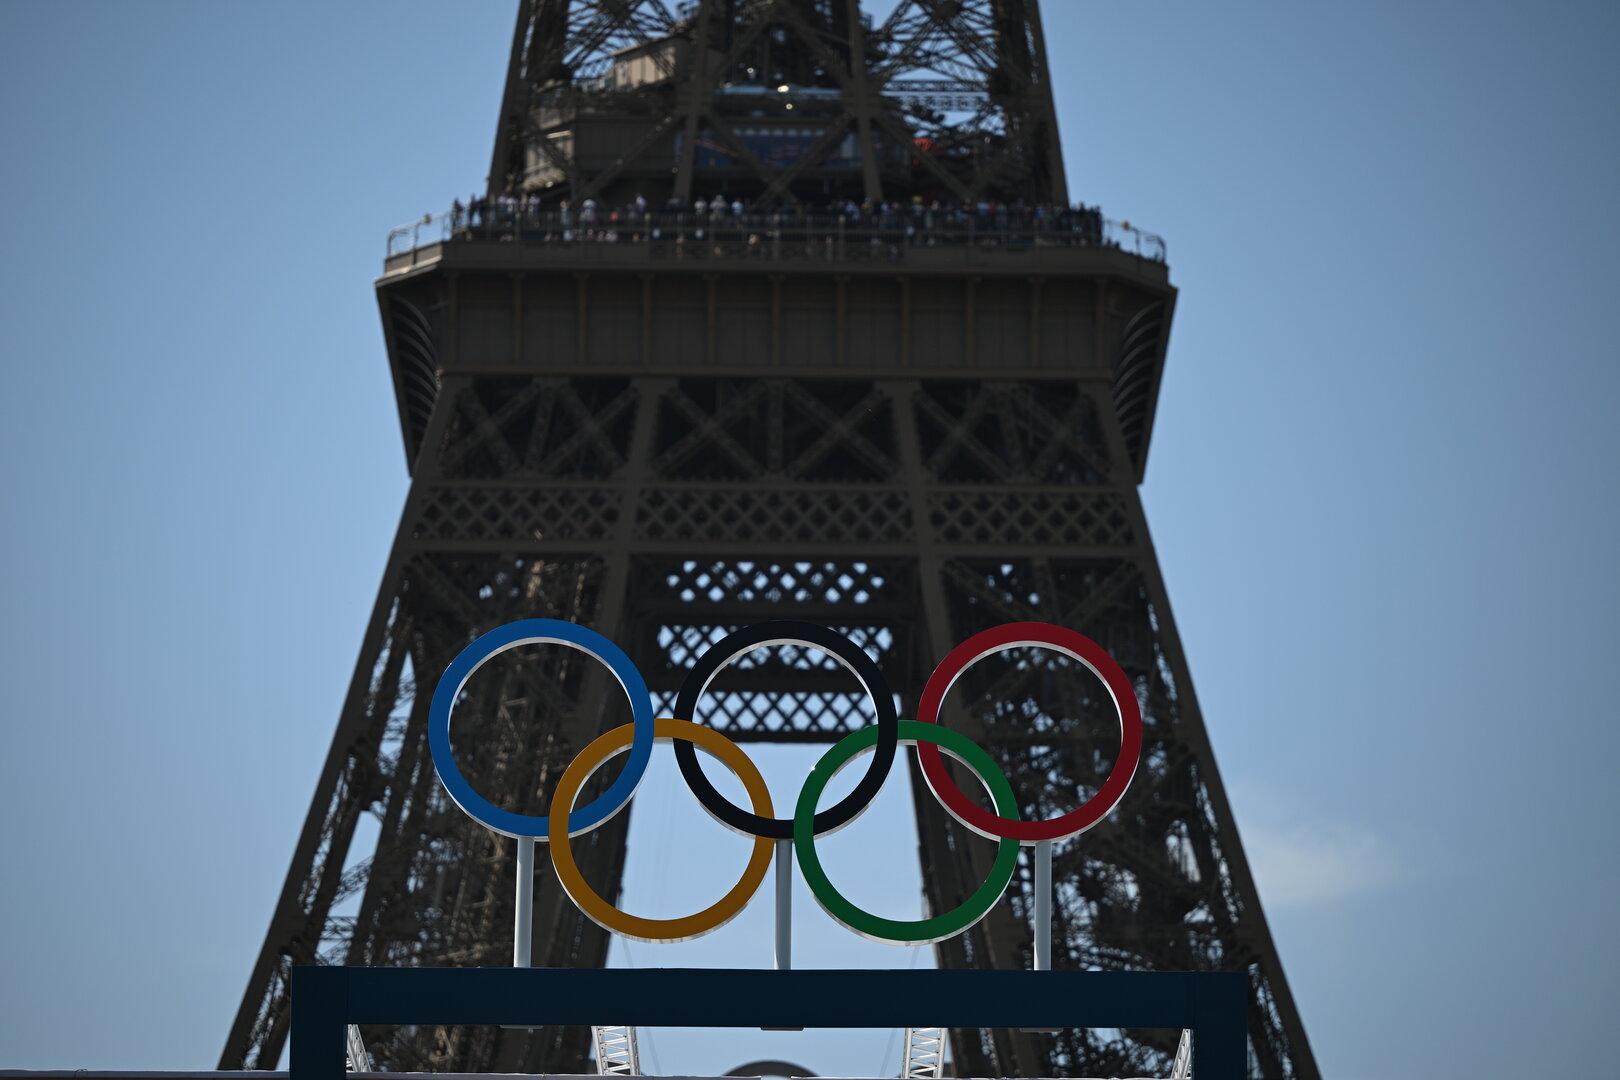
column 831, row 236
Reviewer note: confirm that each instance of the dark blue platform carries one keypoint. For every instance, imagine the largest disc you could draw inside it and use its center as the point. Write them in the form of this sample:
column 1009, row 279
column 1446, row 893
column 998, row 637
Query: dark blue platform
column 326, row 999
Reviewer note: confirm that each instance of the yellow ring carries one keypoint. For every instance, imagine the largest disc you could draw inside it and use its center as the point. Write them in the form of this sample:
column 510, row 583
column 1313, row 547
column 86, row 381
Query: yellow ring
column 604, row 914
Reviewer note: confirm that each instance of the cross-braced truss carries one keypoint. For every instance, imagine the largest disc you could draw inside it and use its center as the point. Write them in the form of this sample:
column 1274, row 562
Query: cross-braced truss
column 670, row 484
column 781, row 98
column 999, row 466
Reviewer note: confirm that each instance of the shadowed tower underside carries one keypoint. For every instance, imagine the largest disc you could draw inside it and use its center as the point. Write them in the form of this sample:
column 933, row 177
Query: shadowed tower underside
column 909, row 423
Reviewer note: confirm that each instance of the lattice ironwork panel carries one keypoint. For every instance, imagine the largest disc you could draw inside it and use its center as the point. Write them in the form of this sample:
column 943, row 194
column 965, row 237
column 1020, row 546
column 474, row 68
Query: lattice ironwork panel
column 1152, row 886
column 506, row 427
column 968, row 80
column 753, row 429
column 782, row 515
column 457, row 598
column 438, row 887
column 780, row 716
column 783, row 692
column 974, row 432
column 971, row 78
column 780, row 693
column 682, row 643
column 517, row 515
column 1030, row 518
column 785, row 587
column 583, row 43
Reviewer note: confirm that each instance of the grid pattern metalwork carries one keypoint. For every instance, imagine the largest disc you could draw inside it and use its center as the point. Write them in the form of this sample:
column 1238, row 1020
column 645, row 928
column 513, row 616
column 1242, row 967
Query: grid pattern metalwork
column 906, row 502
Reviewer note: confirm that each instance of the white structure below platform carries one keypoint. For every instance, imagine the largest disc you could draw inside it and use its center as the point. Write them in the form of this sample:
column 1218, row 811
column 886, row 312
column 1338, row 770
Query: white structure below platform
column 616, row 1053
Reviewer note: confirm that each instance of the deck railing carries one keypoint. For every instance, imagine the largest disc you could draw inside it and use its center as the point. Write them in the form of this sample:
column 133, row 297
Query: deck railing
column 787, row 234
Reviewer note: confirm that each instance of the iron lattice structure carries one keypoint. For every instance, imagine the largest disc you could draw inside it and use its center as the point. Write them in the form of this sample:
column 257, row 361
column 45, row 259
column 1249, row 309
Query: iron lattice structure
column 667, row 439
column 785, row 99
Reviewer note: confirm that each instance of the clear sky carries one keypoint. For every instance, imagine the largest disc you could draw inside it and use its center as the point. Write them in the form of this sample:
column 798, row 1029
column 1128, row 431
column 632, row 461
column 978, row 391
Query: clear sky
column 1382, row 488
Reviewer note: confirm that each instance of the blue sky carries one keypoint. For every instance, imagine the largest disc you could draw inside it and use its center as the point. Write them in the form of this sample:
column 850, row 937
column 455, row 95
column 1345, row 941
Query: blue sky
column 1381, row 486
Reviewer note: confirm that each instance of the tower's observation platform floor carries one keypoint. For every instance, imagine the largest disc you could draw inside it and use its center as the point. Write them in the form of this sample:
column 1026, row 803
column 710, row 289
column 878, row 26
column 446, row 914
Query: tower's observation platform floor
column 996, row 245
column 1007, row 295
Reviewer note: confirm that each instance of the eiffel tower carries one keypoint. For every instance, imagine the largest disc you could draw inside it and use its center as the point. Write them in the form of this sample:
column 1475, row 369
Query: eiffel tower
column 901, row 393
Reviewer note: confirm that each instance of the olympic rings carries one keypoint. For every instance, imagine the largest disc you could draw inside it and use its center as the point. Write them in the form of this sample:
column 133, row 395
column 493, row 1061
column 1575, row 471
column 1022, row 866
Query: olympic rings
column 510, row 636
column 905, row 931
column 841, row 649
column 1077, row 646
column 606, row 915
column 881, row 739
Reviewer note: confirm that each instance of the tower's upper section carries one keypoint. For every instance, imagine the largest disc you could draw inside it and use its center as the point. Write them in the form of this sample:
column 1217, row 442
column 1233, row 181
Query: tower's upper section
column 779, row 101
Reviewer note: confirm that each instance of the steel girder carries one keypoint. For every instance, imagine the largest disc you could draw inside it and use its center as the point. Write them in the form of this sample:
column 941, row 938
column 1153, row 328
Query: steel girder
column 668, row 511
column 666, row 508
column 952, row 97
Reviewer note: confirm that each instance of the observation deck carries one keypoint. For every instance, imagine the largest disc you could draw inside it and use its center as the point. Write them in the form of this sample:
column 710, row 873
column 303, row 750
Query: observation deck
column 988, row 243
column 955, row 293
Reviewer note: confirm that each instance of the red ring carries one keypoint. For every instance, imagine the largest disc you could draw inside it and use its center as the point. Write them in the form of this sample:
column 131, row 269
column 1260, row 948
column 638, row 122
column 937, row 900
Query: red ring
column 1081, row 648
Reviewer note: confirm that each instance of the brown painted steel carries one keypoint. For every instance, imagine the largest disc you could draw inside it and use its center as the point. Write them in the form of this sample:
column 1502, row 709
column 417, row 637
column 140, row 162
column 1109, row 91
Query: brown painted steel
column 907, row 442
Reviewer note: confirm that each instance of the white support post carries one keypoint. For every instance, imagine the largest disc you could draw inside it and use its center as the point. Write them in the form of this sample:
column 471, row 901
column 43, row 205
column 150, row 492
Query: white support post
column 925, row 1053
column 1043, row 905
column 358, row 1057
column 1183, row 1067
column 616, row 1050
column 784, row 905
column 523, row 916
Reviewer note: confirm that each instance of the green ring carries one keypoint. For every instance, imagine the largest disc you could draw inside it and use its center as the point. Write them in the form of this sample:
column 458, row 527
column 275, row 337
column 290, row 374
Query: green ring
column 905, row 931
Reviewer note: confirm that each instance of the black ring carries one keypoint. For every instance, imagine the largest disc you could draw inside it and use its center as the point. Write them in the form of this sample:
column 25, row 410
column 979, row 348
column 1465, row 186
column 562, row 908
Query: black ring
column 840, row 648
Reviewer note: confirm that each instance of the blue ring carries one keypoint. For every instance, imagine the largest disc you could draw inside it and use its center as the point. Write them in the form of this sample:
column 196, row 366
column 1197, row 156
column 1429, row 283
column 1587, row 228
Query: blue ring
column 527, row 632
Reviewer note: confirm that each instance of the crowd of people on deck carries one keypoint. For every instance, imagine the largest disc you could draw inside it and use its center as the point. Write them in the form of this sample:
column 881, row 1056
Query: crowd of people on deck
column 917, row 220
